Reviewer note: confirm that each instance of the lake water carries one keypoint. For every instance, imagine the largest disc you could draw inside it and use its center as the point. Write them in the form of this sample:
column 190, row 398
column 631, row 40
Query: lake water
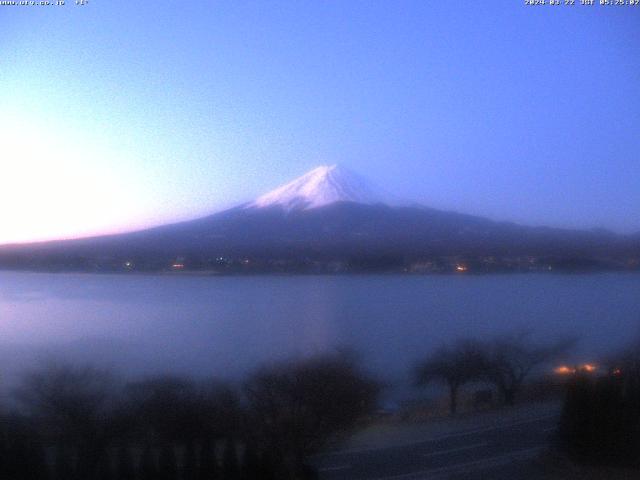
column 225, row 326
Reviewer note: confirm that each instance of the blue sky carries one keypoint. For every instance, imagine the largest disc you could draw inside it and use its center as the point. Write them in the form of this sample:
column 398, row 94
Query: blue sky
column 119, row 114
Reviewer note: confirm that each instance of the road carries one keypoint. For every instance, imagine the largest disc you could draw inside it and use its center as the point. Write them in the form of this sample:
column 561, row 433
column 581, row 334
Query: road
column 496, row 452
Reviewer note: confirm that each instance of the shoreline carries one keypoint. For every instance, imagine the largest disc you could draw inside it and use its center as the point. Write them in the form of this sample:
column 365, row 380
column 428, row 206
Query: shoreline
column 214, row 273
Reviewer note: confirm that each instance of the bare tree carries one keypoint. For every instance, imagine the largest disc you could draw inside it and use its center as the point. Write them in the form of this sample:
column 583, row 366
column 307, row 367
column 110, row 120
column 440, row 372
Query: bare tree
column 296, row 407
column 511, row 358
column 454, row 365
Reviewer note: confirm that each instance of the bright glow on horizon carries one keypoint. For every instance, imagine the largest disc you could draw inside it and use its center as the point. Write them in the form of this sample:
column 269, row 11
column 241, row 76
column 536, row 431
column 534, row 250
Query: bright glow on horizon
column 51, row 191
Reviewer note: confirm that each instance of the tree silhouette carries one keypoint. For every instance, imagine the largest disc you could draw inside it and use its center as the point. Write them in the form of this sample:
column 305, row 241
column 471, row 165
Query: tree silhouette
column 295, row 407
column 511, row 358
column 454, row 366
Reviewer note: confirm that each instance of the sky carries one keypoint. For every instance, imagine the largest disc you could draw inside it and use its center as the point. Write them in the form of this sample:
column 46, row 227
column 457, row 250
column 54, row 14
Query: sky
column 118, row 115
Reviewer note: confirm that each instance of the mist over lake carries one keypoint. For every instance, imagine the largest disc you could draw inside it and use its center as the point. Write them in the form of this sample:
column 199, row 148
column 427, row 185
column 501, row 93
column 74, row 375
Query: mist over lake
column 226, row 326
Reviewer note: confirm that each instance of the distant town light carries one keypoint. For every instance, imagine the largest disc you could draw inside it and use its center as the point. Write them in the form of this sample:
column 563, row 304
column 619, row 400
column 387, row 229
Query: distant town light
column 461, row 268
column 589, row 367
column 178, row 265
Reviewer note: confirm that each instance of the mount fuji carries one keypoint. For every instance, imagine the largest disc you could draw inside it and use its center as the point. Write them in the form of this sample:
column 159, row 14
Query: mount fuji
column 328, row 215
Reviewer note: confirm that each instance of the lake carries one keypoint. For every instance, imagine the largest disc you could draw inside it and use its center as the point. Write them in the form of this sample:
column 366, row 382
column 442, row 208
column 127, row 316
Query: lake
column 225, row 326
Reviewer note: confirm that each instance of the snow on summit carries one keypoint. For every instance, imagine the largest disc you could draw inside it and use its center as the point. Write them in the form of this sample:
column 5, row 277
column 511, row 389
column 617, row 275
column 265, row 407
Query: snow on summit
column 321, row 186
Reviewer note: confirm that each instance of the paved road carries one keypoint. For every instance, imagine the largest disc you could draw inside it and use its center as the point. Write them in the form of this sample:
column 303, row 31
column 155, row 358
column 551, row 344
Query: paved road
column 489, row 452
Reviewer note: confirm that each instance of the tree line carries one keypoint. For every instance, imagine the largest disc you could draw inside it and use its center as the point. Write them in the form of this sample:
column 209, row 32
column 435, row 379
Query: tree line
column 73, row 423
column 82, row 423
column 505, row 362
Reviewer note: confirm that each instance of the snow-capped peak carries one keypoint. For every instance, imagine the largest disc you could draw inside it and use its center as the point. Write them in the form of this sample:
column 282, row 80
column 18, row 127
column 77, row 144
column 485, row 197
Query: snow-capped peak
column 321, row 186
